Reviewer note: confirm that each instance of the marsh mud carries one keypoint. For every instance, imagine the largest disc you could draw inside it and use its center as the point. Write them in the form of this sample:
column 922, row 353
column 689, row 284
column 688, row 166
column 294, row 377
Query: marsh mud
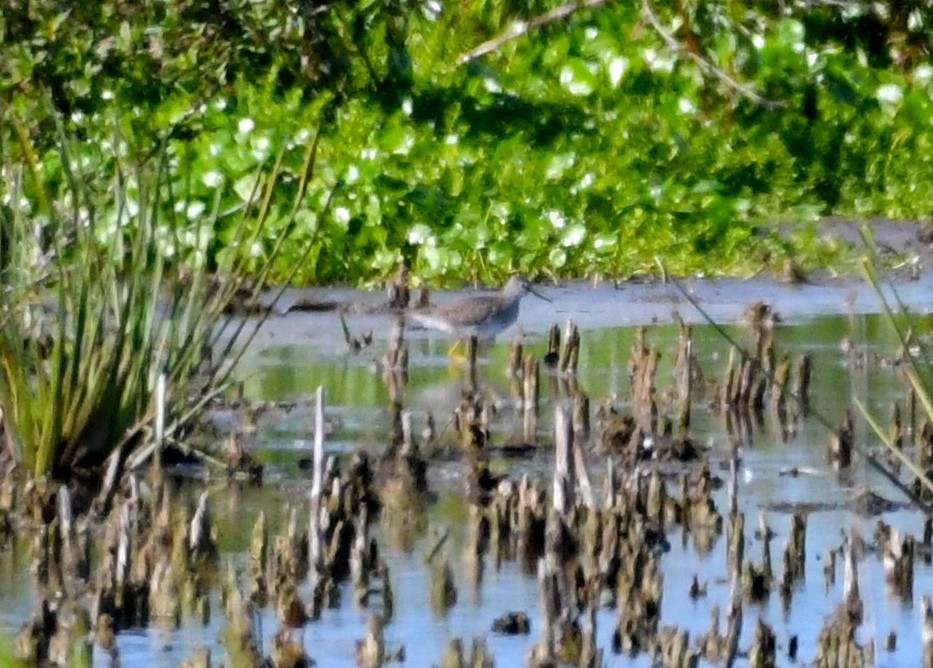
column 664, row 503
column 904, row 250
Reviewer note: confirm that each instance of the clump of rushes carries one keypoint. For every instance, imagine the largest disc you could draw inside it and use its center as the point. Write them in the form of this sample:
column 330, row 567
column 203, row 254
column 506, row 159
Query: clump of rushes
column 915, row 362
column 94, row 310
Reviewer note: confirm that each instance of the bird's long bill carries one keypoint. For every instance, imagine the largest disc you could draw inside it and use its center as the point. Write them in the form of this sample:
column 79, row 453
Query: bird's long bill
column 538, row 294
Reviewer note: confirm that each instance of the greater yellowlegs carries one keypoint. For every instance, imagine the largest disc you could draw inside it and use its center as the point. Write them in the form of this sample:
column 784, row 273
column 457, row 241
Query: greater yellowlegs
column 482, row 316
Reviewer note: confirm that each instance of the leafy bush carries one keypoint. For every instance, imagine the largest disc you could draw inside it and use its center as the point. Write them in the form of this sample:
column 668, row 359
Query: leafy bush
column 589, row 145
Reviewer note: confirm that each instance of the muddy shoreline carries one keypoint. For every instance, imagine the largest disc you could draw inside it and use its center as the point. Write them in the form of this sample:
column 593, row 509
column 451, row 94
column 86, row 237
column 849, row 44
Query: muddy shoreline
column 311, row 316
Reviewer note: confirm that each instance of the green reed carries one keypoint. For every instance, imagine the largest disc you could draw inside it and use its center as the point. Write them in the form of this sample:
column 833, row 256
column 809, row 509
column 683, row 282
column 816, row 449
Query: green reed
column 916, row 363
column 94, row 307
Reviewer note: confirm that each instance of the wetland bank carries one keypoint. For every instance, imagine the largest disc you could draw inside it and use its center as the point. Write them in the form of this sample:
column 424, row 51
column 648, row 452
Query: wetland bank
column 636, row 487
column 452, row 533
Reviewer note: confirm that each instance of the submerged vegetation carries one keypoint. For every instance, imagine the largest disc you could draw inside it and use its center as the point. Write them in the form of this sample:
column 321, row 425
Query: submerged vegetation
column 584, row 139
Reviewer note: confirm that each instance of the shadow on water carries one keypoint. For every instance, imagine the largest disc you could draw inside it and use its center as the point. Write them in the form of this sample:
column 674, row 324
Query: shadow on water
column 850, row 356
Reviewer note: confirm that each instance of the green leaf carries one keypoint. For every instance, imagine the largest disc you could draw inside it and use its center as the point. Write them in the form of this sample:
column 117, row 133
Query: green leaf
column 579, row 78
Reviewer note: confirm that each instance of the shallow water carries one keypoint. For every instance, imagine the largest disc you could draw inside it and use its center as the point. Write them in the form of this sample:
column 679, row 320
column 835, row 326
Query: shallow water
column 296, row 354
column 433, row 386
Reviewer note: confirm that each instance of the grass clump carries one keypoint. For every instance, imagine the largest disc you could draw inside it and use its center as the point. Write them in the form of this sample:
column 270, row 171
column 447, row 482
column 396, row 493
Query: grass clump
column 915, row 364
column 97, row 304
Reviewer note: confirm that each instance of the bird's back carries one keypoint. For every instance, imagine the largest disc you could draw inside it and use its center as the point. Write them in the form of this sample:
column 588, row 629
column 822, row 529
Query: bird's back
column 485, row 315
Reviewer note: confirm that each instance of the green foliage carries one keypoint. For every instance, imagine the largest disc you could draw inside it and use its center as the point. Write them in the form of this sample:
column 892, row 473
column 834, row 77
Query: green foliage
column 8, row 658
column 92, row 314
column 590, row 145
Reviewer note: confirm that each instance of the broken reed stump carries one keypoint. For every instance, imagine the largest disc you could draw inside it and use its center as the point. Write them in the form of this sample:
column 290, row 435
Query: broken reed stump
column 829, row 569
column 924, row 459
column 530, row 378
column 673, row 649
column 794, row 556
column 710, row 644
column 472, row 420
column 926, row 631
column 395, row 363
column 735, row 551
column 570, row 352
column 734, row 620
column 398, row 288
column 763, row 652
column 581, row 414
column 617, row 432
column 897, row 557
column 563, row 475
column 442, row 587
column 765, row 355
column 757, row 580
column 396, row 356
column 355, row 343
column 851, row 596
column 239, row 638
column 743, row 373
column 802, row 382
column 836, row 644
column 471, row 357
column 642, row 366
column 842, row 443
column 730, row 383
column 472, row 431
column 478, row 657
column 552, row 356
column 514, row 369
column 684, row 365
column 752, row 377
column 780, row 386
column 529, row 427
column 258, row 562
column 897, row 430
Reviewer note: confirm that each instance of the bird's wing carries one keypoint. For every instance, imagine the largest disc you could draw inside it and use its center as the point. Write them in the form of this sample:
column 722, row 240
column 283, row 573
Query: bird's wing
column 477, row 309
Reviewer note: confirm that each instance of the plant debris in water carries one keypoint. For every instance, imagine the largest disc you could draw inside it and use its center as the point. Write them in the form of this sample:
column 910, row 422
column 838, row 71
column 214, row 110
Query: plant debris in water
column 595, row 544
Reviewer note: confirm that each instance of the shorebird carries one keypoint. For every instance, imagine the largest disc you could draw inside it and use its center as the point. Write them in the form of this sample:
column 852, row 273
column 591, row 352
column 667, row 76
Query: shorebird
column 482, row 316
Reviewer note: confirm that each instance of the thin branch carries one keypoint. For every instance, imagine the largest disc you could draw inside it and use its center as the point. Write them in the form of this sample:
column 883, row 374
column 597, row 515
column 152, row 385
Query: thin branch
column 521, row 28
column 704, row 64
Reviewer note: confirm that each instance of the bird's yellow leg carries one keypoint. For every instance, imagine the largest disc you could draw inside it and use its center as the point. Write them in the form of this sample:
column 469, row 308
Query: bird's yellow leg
column 463, row 358
column 453, row 349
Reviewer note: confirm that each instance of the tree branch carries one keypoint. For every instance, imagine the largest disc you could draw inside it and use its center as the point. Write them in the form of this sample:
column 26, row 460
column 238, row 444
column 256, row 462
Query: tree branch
column 521, row 28
column 704, row 64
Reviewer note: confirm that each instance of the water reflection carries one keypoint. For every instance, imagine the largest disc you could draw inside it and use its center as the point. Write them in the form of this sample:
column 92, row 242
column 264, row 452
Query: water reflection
column 780, row 465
